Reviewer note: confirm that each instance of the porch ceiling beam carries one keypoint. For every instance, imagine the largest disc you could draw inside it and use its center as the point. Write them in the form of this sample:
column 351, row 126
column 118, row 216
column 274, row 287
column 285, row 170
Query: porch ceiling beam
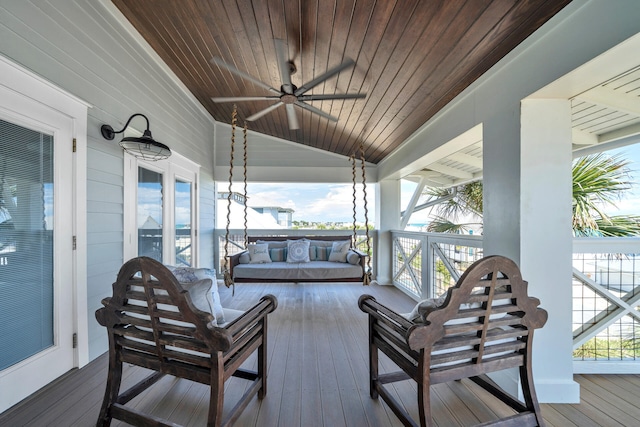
column 476, row 162
column 432, row 178
column 447, row 170
column 418, row 175
column 621, row 133
column 580, row 137
column 617, row 100
column 474, row 177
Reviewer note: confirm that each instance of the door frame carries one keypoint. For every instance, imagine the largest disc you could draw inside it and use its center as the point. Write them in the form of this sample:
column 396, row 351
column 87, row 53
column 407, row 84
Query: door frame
column 25, row 83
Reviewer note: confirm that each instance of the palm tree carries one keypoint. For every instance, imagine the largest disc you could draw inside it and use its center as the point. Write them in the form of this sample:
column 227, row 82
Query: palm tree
column 466, row 203
column 599, row 180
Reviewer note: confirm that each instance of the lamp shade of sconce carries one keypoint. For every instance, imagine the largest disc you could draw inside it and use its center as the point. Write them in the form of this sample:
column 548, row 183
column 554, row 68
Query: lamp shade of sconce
column 143, row 147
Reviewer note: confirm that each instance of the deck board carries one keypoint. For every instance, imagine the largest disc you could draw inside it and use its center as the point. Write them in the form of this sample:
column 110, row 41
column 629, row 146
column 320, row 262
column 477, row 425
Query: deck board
column 318, row 376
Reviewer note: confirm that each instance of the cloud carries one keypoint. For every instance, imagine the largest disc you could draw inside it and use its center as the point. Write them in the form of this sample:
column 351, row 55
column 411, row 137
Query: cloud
column 336, row 205
column 628, row 206
column 312, row 202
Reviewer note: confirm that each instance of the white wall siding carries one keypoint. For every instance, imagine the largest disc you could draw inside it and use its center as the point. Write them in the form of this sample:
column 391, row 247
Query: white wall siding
column 294, row 162
column 85, row 49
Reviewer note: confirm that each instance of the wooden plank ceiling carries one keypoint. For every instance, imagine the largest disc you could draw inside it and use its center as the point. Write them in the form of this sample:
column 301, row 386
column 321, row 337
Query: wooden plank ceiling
column 412, row 58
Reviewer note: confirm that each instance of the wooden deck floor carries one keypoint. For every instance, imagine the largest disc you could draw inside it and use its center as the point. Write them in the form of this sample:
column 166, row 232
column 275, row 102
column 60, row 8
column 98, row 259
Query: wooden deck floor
column 317, row 377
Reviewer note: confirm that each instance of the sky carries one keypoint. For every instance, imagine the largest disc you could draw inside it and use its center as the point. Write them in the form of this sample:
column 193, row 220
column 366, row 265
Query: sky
column 334, row 202
column 630, row 205
column 311, row 202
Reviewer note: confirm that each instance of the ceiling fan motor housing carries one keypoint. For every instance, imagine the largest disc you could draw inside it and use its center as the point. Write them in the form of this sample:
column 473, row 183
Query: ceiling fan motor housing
column 292, row 68
column 288, row 98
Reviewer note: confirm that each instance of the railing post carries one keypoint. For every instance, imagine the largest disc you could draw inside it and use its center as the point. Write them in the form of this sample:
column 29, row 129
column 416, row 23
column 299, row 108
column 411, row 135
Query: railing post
column 427, row 266
column 216, row 252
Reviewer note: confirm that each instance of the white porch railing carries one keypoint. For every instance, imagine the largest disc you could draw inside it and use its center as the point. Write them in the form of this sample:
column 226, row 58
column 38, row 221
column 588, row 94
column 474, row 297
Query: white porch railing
column 425, row 265
column 606, row 300
column 606, row 290
column 236, row 241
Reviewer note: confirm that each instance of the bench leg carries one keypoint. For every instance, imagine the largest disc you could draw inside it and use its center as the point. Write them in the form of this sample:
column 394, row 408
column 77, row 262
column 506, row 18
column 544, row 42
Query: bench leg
column 114, row 380
column 529, row 392
column 424, row 394
column 373, row 362
column 262, row 361
column 216, row 397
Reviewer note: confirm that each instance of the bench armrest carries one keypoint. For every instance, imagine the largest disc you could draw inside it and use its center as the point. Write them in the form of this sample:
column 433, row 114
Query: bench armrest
column 384, row 314
column 226, row 337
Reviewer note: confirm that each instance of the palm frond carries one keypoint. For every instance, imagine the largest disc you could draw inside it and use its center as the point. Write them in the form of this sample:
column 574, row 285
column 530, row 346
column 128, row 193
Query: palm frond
column 443, row 225
column 599, row 179
column 468, row 200
column 619, row 226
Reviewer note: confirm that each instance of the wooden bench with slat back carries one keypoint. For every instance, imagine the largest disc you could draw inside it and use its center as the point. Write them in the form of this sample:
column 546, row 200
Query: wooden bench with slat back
column 156, row 322
column 485, row 324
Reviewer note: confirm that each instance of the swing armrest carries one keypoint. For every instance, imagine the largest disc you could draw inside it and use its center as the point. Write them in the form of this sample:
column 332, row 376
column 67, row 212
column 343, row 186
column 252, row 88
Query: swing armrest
column 235, row 260
column 363, row 259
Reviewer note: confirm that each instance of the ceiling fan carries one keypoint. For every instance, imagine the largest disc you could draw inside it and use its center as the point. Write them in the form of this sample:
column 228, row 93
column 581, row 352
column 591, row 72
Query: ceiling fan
column 288, row 95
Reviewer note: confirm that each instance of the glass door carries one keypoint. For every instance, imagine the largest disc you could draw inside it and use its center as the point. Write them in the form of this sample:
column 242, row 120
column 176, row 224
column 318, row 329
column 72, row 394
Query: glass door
column 183, row 219
column 163, row 195
column 26, row 244
column 150, row 215
column 36, row 320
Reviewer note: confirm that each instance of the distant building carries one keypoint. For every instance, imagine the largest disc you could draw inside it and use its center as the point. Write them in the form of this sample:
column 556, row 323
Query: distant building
column 257, row 218
column 284, row 216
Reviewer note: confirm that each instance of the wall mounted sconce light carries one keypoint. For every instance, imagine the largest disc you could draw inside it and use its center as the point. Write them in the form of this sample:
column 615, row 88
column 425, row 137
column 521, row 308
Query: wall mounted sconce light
column 144, row 147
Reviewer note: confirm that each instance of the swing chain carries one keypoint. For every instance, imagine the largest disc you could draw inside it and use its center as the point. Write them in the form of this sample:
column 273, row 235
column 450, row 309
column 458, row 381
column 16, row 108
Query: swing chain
column 246, row 238
column 352, row 159
column 367, row 275
column 228, row 280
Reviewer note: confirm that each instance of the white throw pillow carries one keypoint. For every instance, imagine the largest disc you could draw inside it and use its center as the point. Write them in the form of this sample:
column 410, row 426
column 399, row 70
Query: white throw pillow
column 298, row 250
column 339, row 251
column 353, row 257
column 191, row 274
column 258, row 253
column 244, row 258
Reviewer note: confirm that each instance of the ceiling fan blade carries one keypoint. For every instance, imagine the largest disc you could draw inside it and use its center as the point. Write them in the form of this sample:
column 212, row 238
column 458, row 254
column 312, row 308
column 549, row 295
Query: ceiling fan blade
column 218, row 99
column 283, row 65
column 335, row 96
column 293, row 118
column 322, row 77
column 220, row 62
column 316, row 111
column 261, row 113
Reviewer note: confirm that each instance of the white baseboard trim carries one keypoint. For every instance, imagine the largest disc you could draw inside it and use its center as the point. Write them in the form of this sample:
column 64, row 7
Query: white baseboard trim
column 557, row 391
column 606, row 367
column 547, row 390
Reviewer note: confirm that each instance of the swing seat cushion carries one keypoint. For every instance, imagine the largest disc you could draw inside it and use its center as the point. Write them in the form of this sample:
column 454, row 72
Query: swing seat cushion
column 318, row 263
column 290, row 272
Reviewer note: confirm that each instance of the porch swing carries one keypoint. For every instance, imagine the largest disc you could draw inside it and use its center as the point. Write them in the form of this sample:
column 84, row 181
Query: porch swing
column 266, row 270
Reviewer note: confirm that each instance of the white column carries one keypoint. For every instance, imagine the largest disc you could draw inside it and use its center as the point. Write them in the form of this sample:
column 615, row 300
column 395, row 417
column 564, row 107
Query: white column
column 546, row 240
column 388, row 218
column 527, row 217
